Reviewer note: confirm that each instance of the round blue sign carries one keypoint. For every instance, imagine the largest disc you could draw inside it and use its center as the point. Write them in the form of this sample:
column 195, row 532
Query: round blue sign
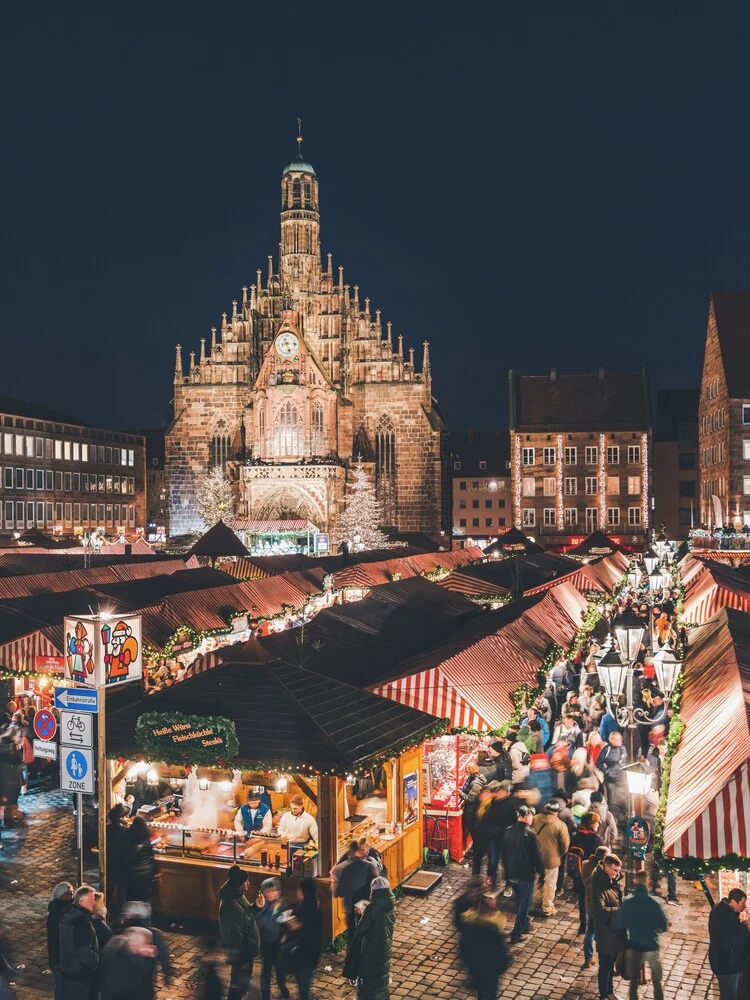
column 76, row 765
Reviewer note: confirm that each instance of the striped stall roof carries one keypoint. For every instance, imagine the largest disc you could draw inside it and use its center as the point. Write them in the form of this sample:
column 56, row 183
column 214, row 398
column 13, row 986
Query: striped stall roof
column 718, row 587
column 375, row 574
column 498, row 576
column 268, row 527
column 708, row 806
column 691, row 567
column 75, row 579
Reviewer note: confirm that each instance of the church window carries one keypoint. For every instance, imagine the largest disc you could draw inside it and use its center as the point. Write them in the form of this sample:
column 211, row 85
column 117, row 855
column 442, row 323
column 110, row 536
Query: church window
column 288, row 432
column 318, row 436
column 385, row 450
column 261, row 424
column 218, row 451
column 297, row 193
column 307, row 194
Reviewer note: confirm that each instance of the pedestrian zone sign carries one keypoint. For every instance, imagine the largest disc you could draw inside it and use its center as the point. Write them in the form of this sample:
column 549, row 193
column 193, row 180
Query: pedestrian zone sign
column 76, row 770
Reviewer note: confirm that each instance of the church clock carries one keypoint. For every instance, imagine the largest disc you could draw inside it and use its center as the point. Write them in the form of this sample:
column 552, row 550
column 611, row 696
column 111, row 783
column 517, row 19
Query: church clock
column 286, row 345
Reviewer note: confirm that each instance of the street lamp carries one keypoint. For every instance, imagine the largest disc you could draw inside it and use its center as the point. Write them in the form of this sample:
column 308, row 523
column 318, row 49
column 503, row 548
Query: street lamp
column 633, row 576
column 668, row 669
column 612, row 671
column 638, row 777
column 656, row 580
column 661, row 544
column 630, row 632
column 651, row 560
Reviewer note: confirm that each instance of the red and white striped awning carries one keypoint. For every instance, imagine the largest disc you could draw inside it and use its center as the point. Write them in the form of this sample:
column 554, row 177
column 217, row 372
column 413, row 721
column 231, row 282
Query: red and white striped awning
column 430, row 691
column 20, row 654
column 724, row 825
column 718, row 587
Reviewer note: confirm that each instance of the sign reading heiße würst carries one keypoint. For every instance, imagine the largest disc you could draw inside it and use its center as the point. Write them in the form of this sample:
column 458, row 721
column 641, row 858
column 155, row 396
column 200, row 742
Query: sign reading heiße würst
column 176, row 738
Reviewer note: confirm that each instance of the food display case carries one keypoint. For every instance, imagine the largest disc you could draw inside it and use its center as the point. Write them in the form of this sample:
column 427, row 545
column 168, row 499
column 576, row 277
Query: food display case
column 444, row 772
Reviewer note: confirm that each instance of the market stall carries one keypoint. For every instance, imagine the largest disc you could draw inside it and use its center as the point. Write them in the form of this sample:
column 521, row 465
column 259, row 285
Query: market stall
column 445, row 761
column 186, row 758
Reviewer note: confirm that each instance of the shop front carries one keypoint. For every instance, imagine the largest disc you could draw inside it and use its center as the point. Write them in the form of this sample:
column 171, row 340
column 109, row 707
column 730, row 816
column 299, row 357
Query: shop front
column 313, row 762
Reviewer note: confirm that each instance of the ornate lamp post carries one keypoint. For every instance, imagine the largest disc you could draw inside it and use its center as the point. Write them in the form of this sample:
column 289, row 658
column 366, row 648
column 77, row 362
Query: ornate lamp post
column 638, row 777
column 651, row 560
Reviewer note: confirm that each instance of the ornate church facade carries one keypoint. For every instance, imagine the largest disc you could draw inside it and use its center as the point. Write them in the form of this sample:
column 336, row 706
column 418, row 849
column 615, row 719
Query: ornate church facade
column 300, row 381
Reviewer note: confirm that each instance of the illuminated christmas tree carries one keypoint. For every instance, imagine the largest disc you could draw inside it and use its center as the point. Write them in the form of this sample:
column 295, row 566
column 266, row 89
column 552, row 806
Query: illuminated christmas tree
column 359, row 525
column 215, row 499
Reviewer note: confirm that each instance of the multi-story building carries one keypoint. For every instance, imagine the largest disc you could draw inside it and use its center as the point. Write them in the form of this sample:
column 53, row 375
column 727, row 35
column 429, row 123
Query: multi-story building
column 676, row 504
column 724, row 413
column 301, row 379
column 580, row 452
column 62, row 477
column 480, row 471
column 157, row 487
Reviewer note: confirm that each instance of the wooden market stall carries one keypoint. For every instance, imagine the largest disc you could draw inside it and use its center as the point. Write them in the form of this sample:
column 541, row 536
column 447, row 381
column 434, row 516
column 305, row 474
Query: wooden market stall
column 189, row 755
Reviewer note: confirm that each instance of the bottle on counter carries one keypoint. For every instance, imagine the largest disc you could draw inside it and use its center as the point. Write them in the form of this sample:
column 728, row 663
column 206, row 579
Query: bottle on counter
column 264, row 858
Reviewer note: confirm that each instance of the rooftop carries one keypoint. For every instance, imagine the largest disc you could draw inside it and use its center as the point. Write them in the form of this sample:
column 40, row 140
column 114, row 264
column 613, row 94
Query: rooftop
column 298, row 165
column 732, row 314
column 597, row 402
column 24, row 408
column 472, row 447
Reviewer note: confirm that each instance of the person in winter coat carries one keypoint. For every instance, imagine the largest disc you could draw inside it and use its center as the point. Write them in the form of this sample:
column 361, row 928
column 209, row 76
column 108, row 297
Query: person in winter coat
column 608, row 827
column 612, row 760
column 128, row 964
column 587, row 873
column 535, row 715
column 138, row 914
column 522, row 860
column 482, row 946
column 239, row 931
column 305, row 942
column 729, row 942
column 62, row 897
column 79, row 951
column 103, row 934
column 606, row 896
column 139, row 864
column 369, row 957
column 351, row 881
column 519, row 757
column 469, row 794
column 554, row 841
column 642, row 918
column 503, row 764
column 268, row 907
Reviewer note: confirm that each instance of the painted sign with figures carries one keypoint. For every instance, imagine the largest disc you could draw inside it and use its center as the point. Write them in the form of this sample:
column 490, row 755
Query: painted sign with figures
column 100, row 651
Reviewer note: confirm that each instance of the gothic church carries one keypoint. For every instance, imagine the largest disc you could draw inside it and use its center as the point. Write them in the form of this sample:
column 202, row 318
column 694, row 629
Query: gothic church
column 300, row 381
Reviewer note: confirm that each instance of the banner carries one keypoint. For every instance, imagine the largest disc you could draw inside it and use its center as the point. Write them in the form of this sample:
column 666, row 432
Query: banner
column 102, row 651
column 190, row 739
column 49, row 664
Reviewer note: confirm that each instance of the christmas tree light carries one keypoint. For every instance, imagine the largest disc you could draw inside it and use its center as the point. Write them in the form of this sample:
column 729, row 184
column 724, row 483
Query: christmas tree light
column 215, row 500
column 359, row 524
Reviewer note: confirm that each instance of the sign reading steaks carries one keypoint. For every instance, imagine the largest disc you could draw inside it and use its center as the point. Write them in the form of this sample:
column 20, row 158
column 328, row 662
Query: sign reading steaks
column 173, row 737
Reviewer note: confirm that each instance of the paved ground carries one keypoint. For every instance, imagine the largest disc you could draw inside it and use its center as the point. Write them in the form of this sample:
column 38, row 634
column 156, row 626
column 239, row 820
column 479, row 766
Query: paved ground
column 546, row 967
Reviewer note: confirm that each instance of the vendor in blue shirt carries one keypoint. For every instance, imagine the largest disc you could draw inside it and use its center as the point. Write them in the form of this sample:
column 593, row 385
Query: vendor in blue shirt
column 255, row 816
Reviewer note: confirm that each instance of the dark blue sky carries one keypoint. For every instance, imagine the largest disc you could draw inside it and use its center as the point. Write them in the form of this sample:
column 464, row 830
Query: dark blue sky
column 524, row 188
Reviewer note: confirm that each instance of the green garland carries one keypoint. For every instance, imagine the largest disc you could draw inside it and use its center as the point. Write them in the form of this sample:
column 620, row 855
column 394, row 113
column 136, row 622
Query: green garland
column 177, row 753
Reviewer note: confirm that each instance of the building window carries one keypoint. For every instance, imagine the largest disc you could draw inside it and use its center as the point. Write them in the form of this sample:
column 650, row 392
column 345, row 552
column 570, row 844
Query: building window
column 58, row 481
column 746, row 449
column 482, row 465
column 501, row 504
column 385, row 448
column 8, row 443
column 76, row 482
column 19, row 479
column 613, row 486
column 529, row 486
column 634, row 454
column 634, row 516
column 549, row 486
column 68, row 482
column 746, row 414
column 592, row 519
column 39, row 453
column 746, row 485
column 58, row 512
column 19, row 513
column 457, row 466
column 318, row 431
column 462, row 484
column 218, row 450
column 488, row 504
column 571, row 517
column 48, row 480
column 462, row 505
column 571, row 456
column 108, row 450
column 84, row 453
column 549, row 456
column 48, row 512
column 549, row 517
column 68, row 513
column 571, row 486
column 592, row 455
column 8, row 478
column 116, row 483
column 40, row 513
column 613, row 455
column 592, row 486
column 85, row 482
column 29, row 479
column 76, row 451
column 501, row 522
column 528, row 456
column 8, row 513
column 686, row 461
column 462, row 522
column 488, row 522
column 19, row 449
column 116, row 456
column 687, row 488
column 634, row 485
column 475, row 504
column 85, row 513
column 475, row 522
column 29, row 514
column 39, row 476
column 613, row 516
column 30, row 452
column 100, row 454
column 529, row 517
column 66, row 454
column 76, row 513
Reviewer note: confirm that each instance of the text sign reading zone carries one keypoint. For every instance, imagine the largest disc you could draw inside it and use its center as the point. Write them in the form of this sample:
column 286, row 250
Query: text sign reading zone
column 76, row 770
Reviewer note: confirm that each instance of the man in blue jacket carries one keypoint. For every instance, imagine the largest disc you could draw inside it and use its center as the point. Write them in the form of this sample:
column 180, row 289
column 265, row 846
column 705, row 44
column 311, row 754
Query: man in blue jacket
column 255, row 816
column 642, row 918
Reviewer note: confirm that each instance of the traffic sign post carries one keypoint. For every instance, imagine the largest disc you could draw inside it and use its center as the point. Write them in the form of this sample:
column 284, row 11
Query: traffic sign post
column 45, row 724
column 78, row 699
column 76, row 770
column 77, row 729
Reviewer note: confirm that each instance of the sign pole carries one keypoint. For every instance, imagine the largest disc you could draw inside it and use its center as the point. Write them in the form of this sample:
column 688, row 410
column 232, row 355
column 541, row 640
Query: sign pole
column 79, row 835
column 103, row 777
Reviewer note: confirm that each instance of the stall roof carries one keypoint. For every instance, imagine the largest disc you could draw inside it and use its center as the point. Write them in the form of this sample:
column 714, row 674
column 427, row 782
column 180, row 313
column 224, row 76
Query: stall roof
column 512, row 537
column 73, row 579
column 218, row 541
column 597, row 544
column 285, row 715
column 22, row 562
column 708, row 805
column 499, row 576
column 719, row 586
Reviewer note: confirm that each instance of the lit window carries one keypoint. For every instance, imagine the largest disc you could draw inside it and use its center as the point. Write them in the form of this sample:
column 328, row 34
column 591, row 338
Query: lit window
column 549, row 517
column 613, row 455
column 549, row 486
column 613, row 485
column 746, row 449
column 634, row 516
column 634, row 454
column 482, row 465
column 571, row 486
column 457, row 466
column 529, row 486
column 76, row 451
column 29, row 446
column 592, row 486
column 746, row 485
column 634, row 485
column 529, row 517
column 613, row 516
column 571, row 516
column 66, row 455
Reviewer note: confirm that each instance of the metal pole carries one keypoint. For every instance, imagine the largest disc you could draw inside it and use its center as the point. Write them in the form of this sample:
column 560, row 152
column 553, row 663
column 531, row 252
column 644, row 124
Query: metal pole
column 102, row 773
column 79, row 835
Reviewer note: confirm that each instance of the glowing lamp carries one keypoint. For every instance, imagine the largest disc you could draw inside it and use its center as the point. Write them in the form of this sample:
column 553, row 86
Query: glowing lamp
column 203, row 784
column 630, row 632
column 152, row 778
column 281, row 783
column 651, row 561
column 226, row 786
column 638, row 777
column 612, row 671
column 667, row 668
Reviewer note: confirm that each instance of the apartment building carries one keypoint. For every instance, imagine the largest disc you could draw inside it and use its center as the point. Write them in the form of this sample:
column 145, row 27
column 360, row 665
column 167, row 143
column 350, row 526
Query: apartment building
column 480, row 471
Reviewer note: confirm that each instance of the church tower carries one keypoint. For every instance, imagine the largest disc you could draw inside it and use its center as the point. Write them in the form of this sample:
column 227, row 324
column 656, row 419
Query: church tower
column 299, row 264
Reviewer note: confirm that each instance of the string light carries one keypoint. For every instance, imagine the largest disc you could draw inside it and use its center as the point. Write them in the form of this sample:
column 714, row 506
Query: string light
column 517, row 483
column 602, row 482
column 559, row 482
column 645, row 485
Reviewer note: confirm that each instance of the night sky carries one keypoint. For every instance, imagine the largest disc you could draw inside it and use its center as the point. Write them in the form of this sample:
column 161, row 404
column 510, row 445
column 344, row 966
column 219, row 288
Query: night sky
column 557, row 186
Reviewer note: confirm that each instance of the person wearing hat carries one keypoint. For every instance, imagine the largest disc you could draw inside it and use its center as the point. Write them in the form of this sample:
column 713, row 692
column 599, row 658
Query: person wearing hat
column 554, row 841
column 503, row 763
column 238, row 931
column 368, row 960
column 62, row 897
column 268, row 908
column 255, row 816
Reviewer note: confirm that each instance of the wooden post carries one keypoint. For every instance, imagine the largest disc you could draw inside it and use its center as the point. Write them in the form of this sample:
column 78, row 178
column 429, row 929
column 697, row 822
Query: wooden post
column 327, row 822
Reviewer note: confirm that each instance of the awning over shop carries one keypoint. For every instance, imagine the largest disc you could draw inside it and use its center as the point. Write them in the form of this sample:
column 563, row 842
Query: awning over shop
column 718, row 586
column 708, row 805
column 512, row 541
column 597, row 544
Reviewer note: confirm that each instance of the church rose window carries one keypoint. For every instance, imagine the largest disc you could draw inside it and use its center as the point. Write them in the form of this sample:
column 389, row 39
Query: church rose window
column 288, row 432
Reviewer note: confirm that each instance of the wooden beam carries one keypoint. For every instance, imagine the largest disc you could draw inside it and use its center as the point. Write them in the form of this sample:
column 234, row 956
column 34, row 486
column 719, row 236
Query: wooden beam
column 327, row 822
column 309, row 792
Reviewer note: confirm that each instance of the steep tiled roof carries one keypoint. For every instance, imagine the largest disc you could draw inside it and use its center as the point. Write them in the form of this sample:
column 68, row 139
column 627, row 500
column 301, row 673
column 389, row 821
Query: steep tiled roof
column 472, row 447
column 732, row 314
column 590, row 402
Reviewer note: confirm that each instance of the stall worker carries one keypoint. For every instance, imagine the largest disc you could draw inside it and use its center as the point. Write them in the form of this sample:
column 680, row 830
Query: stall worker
column 255, row 816
column 297, row 825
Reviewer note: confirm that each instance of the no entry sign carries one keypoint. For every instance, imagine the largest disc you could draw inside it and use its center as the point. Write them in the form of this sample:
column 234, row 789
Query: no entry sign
column 45, row 724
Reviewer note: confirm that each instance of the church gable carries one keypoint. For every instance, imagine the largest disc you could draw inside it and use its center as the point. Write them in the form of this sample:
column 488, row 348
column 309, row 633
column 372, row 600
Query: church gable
column 290, row 361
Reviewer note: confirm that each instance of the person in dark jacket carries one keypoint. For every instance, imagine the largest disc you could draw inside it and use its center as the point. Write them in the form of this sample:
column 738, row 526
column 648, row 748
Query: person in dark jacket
column 351, row 880
column 267, row 910
column 79, row 951
column 239, row 931
column 729, row 942
column 139, row 863
column 583, row 844
column 103, row 934
column 128, row 964
column 468, row 793
column 62, row 897
column 305, row 941
column 642, row 918
column 138, row 914
column 369, row 957
column 611, row 762
column 606, row 897
column 469, row 899
column 116, row 846
column 483, row 947
column 522, row 860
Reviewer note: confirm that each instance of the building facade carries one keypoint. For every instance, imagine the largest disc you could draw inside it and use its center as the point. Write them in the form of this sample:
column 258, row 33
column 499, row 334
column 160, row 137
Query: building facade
column 676, row 503
column 157, row 487
column 61, row 477
column 480, row 477
column 301, row 379
column 580, row 456
column 724, row 413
